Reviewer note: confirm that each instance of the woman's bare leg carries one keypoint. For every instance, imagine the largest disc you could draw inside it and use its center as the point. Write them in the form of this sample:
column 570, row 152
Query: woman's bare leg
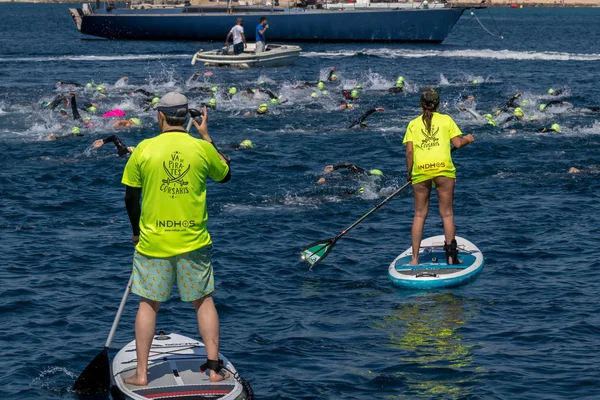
column 421, row 191
column 445, row 191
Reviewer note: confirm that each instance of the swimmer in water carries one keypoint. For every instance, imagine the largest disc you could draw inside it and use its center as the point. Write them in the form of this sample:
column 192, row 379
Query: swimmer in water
column 261, row 110
column 122, row 150
column 87, row 106
column 510, row 104
column 127, row 123
column 51, row 105
column 350, row 95
column 75, row 131
column 398, row 87
column 344, row 105
column 68, row 83
column 243, row 145
column 332, row 76
column 553, row 128
column 355, row 171
column 361, row 120
column 556, row 92
column 230, row 93
column 552, row 103
column 517, row 116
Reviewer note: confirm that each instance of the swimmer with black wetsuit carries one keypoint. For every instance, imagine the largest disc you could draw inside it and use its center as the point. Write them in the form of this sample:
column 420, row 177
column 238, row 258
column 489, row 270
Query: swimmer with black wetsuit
column 51, row 105
column 556, row 92
column 332, row 76
column 122, row 150
column 344, row 105
column 353, row 168
column 510, row 104
column 398, row 87
column 69, row 83
column 552, row 103
column 361, row 120
column 553, row 128
column 87, row 106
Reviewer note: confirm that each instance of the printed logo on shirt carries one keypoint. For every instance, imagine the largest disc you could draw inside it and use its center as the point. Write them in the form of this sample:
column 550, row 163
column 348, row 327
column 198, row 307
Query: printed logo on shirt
column 175, row 184
column 431, row 139
column 433, row 166
column 175, row 225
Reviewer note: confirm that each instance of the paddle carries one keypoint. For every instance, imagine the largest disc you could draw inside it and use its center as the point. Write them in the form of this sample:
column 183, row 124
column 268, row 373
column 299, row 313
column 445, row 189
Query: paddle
column 95, row 378
column 315, row 252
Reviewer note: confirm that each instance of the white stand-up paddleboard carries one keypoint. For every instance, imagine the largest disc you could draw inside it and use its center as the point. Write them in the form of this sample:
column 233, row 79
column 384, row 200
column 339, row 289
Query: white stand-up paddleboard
column 174, row 372
column 432, row 271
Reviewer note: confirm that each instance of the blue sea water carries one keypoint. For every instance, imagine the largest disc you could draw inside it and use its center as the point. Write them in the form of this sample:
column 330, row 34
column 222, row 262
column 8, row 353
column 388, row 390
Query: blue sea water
column 527, row 328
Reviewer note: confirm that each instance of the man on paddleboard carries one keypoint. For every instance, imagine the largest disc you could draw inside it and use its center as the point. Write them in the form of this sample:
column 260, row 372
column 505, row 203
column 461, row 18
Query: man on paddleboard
column 428, row 161
column 169, row 229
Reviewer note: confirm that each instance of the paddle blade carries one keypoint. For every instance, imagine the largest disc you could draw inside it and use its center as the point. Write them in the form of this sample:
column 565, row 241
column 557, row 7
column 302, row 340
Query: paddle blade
column 95, row 378
column 316, row 252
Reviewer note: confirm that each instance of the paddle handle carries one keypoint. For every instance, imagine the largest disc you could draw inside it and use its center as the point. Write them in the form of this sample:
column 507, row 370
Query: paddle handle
column 113, row 329
column 189, row 125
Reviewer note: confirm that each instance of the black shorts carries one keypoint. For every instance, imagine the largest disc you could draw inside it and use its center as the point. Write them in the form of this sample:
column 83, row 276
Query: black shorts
column 238, row 48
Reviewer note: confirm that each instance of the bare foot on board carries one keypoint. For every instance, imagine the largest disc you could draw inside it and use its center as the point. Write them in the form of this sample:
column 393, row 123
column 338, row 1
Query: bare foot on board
column 136, row 380
column 219, row 376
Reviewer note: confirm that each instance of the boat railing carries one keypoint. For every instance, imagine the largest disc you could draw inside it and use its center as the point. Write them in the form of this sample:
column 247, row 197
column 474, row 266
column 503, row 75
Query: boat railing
column 384, row 4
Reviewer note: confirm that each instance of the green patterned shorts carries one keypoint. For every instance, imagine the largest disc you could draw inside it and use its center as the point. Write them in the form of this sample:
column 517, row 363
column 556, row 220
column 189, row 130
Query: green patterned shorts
column 153, row 278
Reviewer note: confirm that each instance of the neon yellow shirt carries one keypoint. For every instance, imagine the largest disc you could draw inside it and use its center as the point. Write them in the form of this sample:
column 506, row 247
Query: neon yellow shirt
column 431, row 157
column 171, row 169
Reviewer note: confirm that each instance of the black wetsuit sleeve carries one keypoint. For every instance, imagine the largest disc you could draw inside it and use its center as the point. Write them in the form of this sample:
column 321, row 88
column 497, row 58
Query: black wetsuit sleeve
column 145, row 92
column 331, row 71
column 353, row 168
column 76, row 115
column 509, row 104
column 56, row 102
column 121, row 148
column 71, row 83
column 362, row 118
column 553, row 102
column 134, row 210
column 269, row 93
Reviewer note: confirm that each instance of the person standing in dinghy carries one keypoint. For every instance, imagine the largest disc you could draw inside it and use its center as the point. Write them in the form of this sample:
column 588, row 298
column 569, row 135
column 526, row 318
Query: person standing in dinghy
column 169, row 229
column 428, row 161
column 239, row 40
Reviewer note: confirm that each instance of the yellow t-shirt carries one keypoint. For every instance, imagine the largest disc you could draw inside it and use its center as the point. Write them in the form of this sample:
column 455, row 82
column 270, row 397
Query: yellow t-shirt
column 431, row 157
column 171, row 169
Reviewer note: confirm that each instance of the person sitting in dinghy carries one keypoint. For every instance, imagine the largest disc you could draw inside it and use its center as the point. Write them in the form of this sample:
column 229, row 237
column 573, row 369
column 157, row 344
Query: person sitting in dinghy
column 428, row 160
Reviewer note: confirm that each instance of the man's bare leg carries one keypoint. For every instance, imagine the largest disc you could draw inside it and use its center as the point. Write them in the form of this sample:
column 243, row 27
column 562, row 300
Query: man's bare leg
column 145, row 325
column 208, row 324
column 421, row 190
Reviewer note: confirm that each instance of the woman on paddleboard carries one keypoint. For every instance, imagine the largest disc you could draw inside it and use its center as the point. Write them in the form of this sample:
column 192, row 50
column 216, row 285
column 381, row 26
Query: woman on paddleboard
column 428, row 161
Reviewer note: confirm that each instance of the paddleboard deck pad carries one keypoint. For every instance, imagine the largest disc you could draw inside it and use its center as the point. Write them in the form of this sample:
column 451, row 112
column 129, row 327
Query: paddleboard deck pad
column 174, row 373
column 433, row 271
